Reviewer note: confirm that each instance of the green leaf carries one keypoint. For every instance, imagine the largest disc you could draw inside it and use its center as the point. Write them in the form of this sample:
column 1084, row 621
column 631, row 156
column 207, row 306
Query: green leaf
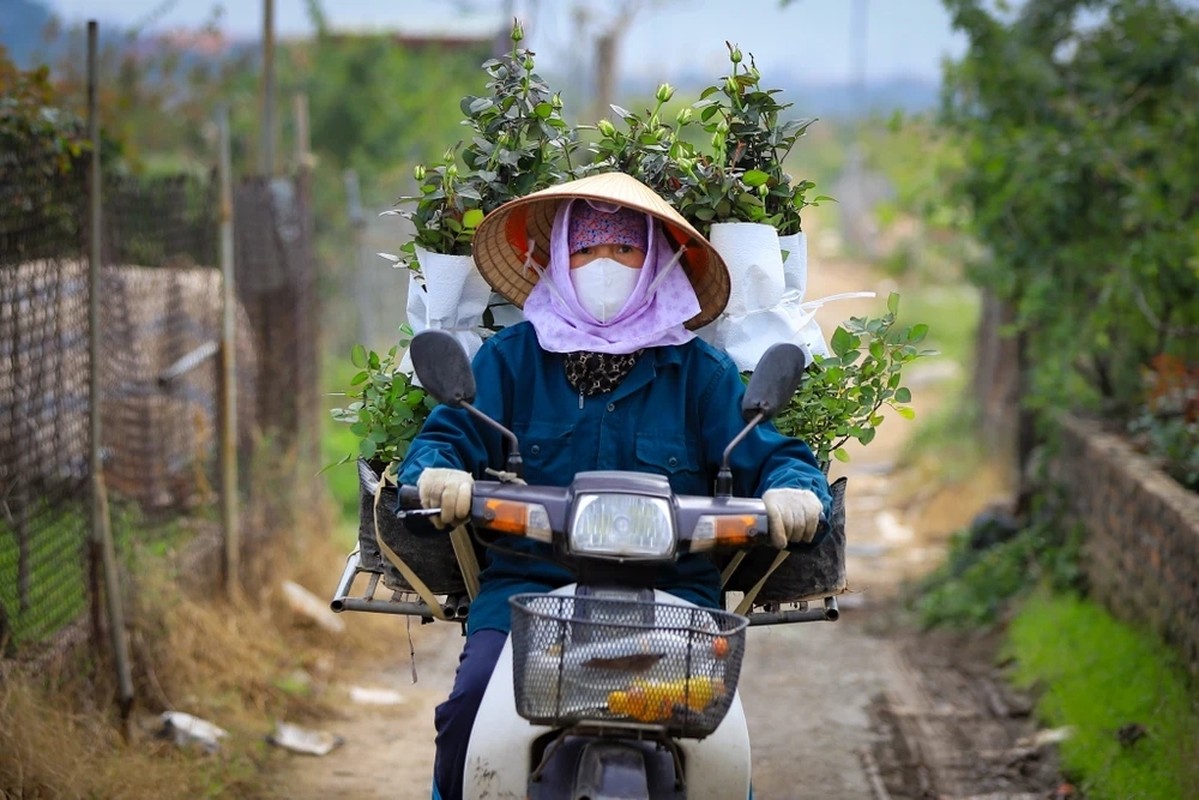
column 472, row 218
column 840, row 454
column 755, row 177
column 893, row 303
column 907, row 412
column 903, row 395
column 843, row 341
column 358, row 356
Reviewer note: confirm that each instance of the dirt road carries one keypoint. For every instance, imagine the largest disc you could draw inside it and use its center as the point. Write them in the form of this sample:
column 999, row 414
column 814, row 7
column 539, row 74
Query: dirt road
column 859, row 708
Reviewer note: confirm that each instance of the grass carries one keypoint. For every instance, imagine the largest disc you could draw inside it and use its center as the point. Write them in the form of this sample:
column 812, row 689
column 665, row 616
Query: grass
column 55, row 572
column 240, row 665
column 1097, row 675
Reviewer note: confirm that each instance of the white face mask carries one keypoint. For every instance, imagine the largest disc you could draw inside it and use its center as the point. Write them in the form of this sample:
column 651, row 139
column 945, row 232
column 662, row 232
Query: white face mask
column 603, row 286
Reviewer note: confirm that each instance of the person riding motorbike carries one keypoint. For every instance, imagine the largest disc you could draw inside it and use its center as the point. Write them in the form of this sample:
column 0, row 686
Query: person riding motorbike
column 605, row 373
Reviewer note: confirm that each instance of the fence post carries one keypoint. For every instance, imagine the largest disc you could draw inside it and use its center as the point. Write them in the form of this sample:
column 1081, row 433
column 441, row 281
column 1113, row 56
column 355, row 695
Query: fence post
column 228, row 382
column 101, row 530
column 266, row 154
column 303, row 156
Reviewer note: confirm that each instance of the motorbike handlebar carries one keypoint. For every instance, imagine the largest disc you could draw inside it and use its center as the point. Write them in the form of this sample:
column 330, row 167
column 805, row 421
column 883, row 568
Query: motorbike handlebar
column 729, row 523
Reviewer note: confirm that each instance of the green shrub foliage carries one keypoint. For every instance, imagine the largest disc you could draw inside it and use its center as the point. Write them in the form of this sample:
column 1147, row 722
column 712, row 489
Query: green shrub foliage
column 1081, row 125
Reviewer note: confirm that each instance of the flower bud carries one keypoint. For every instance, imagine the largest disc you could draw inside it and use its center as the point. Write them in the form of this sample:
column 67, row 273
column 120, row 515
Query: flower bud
column 735, row 55
column 528, row 65
column 665, row 92
column 556, row 101
column 418, row 172
column 684, row 116
column 763, row 190
column 451, row 171
column 730, row 85
column 606, row 128
column 518, row 33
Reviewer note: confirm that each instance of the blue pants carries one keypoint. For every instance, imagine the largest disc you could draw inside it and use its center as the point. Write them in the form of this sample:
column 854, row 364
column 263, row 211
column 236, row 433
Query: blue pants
column 454, row 718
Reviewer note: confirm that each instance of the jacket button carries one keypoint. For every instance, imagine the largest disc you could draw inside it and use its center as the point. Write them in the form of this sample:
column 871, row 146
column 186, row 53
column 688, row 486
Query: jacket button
column 672, row 461
column 536, row 449
column 611, row 407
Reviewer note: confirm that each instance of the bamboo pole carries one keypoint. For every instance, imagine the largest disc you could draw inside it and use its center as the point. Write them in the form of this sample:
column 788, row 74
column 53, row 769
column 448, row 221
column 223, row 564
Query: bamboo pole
column 228, row 382
column 101, row 529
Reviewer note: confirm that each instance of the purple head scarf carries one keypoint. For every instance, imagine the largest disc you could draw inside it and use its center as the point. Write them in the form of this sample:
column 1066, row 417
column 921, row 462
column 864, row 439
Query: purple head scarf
column 647, row 319
column 593, row 223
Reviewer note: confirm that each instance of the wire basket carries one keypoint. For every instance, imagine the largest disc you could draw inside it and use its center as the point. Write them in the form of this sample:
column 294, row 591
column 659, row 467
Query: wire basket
column 592, row 659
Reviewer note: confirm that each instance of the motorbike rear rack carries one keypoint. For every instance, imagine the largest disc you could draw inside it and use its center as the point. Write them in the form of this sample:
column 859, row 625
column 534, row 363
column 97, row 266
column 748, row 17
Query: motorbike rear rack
column 773, row 615
column 453, row 607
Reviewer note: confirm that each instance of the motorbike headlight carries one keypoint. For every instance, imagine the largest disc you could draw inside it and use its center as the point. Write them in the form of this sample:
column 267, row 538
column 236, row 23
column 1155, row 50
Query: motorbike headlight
column 624, row 525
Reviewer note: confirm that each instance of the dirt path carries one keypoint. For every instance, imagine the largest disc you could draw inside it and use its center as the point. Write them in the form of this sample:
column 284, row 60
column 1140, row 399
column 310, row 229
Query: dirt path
column 837, row 711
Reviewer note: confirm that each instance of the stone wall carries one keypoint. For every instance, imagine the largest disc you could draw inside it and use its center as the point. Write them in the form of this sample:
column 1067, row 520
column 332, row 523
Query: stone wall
column 1142, row 545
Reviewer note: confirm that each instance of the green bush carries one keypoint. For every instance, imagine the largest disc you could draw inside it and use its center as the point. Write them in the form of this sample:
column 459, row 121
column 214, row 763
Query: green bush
column 1080, row 131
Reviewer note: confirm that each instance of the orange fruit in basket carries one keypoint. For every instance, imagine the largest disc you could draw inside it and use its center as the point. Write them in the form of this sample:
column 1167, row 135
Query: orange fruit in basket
column 720, row 646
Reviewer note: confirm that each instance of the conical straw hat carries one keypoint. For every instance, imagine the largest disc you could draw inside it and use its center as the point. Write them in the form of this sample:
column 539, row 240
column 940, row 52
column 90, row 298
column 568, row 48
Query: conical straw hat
column 502, row 240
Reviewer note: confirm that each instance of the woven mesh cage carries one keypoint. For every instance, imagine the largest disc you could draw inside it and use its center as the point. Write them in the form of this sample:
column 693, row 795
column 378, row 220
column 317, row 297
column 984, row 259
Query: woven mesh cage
column 578, row 659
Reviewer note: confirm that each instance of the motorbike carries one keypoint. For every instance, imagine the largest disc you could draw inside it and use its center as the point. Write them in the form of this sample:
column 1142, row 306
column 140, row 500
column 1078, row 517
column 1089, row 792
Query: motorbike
column 606, row 687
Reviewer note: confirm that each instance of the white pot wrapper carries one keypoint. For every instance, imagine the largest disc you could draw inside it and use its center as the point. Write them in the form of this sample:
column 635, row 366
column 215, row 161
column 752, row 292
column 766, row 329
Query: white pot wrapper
column 746, row 338
column 794, row 246
column 751, row 252
column 452, row 299
column 808, row 334
column 766, row 297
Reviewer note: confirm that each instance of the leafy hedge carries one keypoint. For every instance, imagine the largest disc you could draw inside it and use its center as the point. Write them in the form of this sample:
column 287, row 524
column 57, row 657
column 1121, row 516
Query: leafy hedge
column 1081, row 127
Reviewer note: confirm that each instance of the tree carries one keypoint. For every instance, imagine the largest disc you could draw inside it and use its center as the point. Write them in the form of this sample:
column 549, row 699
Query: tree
column 1081, row 127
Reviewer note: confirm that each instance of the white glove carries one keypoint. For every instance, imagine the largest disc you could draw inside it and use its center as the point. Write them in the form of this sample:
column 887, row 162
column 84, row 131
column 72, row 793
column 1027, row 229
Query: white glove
column 449, row 490
column 793, row 514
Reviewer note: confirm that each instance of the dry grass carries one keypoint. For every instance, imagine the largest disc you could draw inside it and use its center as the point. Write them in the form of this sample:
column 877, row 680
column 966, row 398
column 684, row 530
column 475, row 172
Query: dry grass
column 241, row 665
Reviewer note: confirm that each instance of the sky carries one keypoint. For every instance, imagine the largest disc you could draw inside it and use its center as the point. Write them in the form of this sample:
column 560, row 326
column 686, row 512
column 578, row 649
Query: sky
column 818, row 41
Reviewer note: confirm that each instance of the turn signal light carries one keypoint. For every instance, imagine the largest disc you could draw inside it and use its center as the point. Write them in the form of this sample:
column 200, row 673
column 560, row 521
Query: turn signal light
column 518, row 519
column 713, row 531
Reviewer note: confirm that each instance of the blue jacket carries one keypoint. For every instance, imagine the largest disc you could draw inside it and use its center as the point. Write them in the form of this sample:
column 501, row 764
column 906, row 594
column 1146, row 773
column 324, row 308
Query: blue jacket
column 673, row 415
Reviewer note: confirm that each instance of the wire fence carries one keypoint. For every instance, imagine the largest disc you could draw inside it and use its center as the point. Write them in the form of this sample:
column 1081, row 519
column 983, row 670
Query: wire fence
column 160, row 329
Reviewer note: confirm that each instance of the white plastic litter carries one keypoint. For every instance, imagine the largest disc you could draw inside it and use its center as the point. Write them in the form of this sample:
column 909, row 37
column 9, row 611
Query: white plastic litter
column 307, row 604
column 302, row 740
column 185, row 729
column 375, row 697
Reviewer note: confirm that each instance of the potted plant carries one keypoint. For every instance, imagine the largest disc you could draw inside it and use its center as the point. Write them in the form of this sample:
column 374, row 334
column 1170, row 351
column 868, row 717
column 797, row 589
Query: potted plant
column 650, row 148
column 740, row 195
column 518, row 143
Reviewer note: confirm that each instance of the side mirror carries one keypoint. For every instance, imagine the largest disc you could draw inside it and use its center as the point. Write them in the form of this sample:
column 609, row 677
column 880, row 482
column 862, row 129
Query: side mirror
column 443, row 367
column 774, row 380
column 444, row 371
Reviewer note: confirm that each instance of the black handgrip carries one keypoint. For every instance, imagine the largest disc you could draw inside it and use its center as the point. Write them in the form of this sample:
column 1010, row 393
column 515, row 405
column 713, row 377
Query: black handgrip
column 409, row 497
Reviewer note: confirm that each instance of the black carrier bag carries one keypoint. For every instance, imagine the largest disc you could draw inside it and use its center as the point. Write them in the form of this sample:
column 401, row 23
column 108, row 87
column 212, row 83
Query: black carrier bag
column 805, row 574
column 429, row 555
